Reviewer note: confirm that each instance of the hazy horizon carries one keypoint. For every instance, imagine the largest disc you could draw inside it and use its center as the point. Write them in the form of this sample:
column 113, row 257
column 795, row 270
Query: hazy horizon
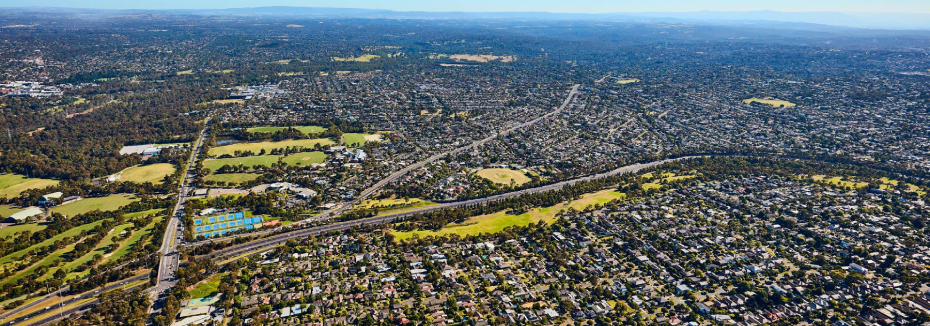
column 549, row 6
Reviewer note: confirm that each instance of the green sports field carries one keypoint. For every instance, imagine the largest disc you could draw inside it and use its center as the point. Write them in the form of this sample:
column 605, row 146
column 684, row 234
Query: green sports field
column 504, row 176
column 249, row 161
column 11, row 184
column 493, row 223
column 14, row 229
column 234, row 178
column 267, row 146
column 48, row 242
column 207, row 287
column 108, row 203
column 307, row 130
column 305, row 158
column 357, row 140
column 153, row 173
column 100, row 249
column 130, row 243
column 772, row 102
column 299, row 159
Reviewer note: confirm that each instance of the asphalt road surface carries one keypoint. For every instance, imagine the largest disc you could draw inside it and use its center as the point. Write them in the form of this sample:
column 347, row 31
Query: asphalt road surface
column 67, row 312
column 279, row 239
column 394, row 176
column 169, row 246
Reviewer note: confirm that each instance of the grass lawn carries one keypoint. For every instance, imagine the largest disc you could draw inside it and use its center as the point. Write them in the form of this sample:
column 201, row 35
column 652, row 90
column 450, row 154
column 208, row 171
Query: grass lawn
column 305, row 158
column 307, row 130
column 47, row 261
column 8, row 210
column 48, row 242
column 773, row 102
column 889, row 184
column 493, row 223
column 11, row 184
column 153, row 173
column 357, row 140
column 13, row 229
column 207, row 287
column 235, row 178
column 397, row 205
column 667, row 176
column 267, row 146
column 250, row 161
column 504, row 176
column 627, row 81
column 100, row 249
column 839, row 182
column 363, row 58
column 151, row 212
column 369, row 203
column 108, row 203
column 133, row 239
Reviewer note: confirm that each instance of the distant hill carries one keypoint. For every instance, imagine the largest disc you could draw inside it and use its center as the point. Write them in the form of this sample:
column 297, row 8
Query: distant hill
column 855, row 20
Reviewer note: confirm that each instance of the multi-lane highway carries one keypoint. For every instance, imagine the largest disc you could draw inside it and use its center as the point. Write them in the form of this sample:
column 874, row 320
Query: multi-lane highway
column 396, row 175
column 66, row 312
column 169, row 246
column 279, row 239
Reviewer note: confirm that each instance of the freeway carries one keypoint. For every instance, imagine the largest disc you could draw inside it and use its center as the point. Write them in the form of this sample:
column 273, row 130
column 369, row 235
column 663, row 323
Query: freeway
column 82, row 296
column 169, row 246
column 279, row 239
column 396, row 175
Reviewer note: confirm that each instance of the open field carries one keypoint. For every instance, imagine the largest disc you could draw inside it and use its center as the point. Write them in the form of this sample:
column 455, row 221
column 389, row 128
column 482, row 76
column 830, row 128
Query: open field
column 207, row 287
column 492, row 223
column 481, row 57
column 235, row 178
column 362, row 58
column 888, row 184
column 357, row 140
column 48, row 261
column 839, row 182
column 305, row 158
column 307, row 130
column 504, row 176
column 108, row 203
column 48, row 242
column 100, row 249
column 185, row 72
column 667, row 177
column 125, row 246
column 14, row 229
column 153, row 173
column 148, row 213
column 250, row 161
column 627, row 81
column 11, row 184
column 301, row 159
column 395, row 205
column 772, row 102
column 8, row 210
column 369, row 203
column 225, row 101
column 267, row 146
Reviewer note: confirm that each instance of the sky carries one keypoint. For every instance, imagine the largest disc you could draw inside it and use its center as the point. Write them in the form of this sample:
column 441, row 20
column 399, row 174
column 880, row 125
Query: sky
column 562, row 6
